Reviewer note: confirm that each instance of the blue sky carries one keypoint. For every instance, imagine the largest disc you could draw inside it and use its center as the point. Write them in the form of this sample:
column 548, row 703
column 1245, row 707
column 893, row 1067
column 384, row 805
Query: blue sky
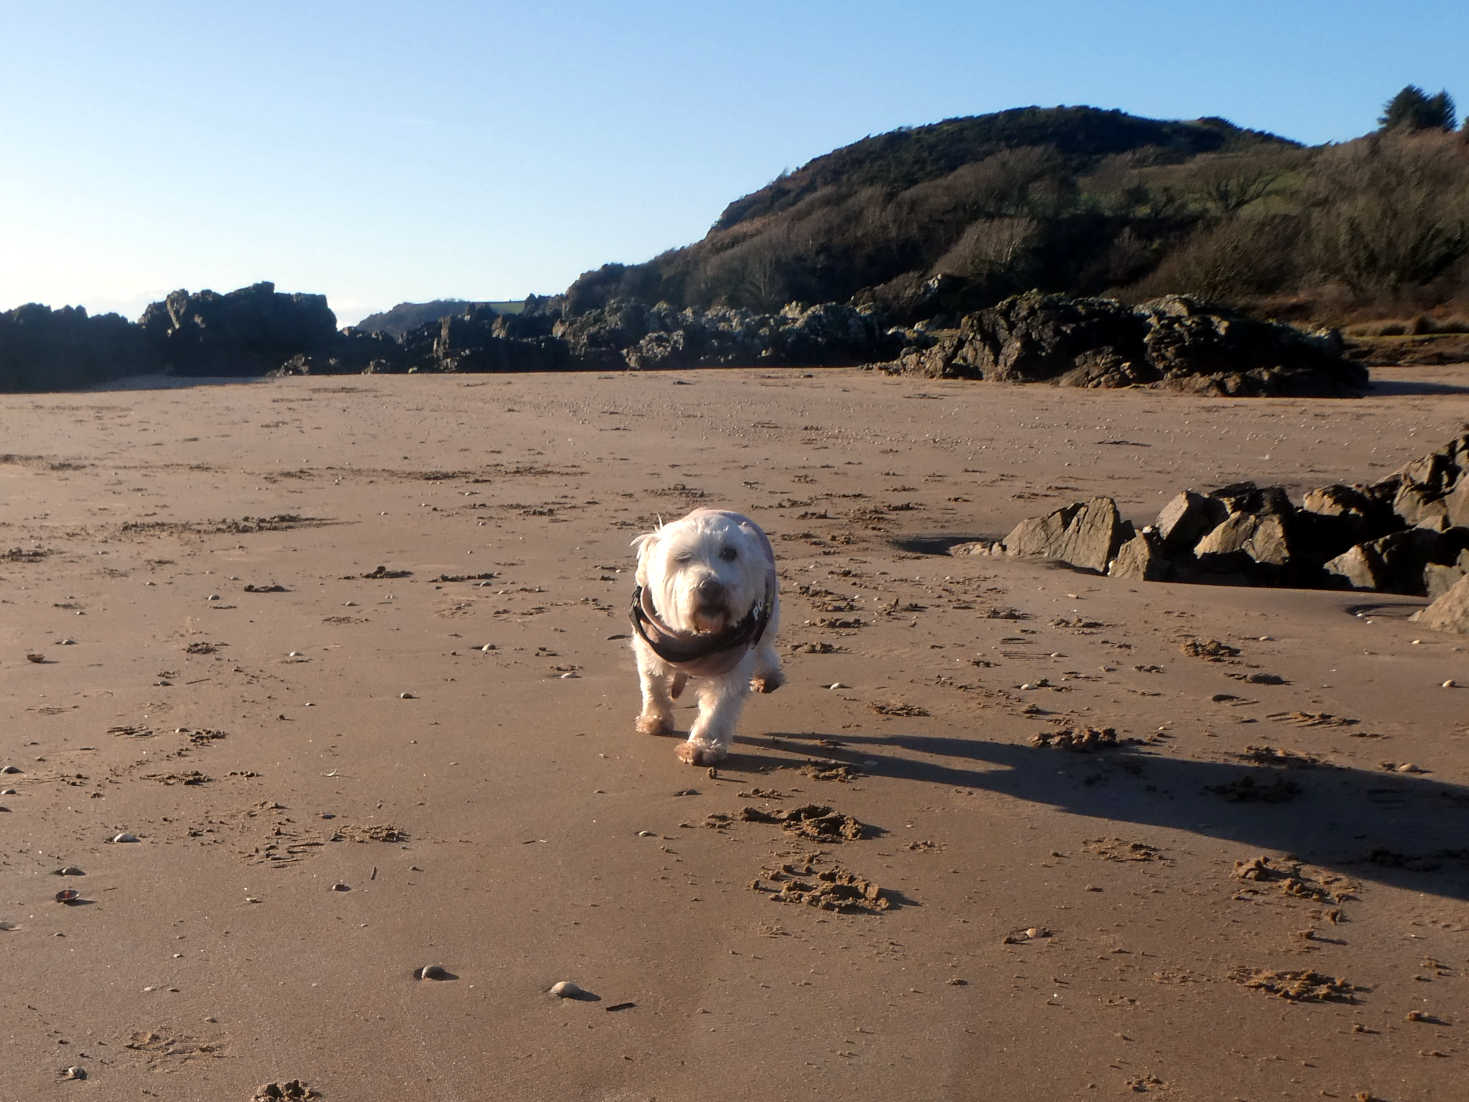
column 381, row 152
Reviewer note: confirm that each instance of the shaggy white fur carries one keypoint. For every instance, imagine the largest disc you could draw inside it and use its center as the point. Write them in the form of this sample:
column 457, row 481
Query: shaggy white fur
column 706, row 613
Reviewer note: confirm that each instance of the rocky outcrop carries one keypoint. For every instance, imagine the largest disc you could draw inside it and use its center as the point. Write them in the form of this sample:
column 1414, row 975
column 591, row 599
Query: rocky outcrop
column 1402, row 534
column 45, row 349
column 1174, row 342
column 251, row 331
column 625, row 333
column 1450, row 612
column 1086, row 535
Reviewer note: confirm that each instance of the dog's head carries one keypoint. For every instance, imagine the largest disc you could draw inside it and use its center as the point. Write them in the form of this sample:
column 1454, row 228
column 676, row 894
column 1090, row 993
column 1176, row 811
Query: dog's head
column 704, row 573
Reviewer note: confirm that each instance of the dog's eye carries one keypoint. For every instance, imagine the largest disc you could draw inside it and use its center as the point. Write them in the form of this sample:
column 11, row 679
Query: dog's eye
column 684, row 558
column 729, row 554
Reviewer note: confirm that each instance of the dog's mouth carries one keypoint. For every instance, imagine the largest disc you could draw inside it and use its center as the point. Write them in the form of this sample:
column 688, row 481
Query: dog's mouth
column 709, row 619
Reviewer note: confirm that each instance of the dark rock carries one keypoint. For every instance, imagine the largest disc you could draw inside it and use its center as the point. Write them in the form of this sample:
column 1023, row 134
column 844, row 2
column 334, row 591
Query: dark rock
column 1257, row 543
column 472, row 342
column 604, row 330
column 45, row 349
column 247, row 332
column 1334, row 518
column 1433, row 490
column 1396, row 563
column 1085, row 534
column 625, row 333
column 1246, row 497
column 1187, row 519
column 1044, row 338
column 1172, row 342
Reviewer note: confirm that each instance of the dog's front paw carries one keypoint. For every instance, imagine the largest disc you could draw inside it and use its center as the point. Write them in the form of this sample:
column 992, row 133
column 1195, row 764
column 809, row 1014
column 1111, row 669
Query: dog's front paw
column 653, row 724
column 700, row 753
column 767, row 682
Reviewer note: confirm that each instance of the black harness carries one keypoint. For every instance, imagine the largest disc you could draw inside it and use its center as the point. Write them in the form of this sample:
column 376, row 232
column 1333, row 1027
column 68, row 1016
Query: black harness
column 678, row 649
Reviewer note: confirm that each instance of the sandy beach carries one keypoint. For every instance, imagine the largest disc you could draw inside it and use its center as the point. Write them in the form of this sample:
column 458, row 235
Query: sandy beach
column 347, row 659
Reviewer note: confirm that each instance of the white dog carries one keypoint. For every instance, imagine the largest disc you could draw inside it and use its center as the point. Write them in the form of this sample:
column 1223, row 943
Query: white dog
column 706, row 608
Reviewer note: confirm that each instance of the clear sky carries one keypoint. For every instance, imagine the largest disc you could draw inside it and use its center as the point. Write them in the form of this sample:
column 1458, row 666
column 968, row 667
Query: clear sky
column 383, row 152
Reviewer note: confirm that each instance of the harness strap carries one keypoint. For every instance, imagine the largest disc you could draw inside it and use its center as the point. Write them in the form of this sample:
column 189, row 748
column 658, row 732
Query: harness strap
column 703, row 654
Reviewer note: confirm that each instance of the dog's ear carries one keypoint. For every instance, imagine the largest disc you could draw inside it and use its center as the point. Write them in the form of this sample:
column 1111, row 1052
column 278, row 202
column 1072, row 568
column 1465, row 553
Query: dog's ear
column 643, row 543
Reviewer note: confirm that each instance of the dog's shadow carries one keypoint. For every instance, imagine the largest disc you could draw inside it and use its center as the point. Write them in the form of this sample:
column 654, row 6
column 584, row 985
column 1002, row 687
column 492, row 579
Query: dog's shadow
column 1406, row 831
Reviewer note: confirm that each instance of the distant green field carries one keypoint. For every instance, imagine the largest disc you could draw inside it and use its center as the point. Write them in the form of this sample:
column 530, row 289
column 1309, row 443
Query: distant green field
column 508, row 307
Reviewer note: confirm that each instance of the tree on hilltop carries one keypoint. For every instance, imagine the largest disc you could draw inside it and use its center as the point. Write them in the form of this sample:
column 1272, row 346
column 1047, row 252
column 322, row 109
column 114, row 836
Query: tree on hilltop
column 1414, row 109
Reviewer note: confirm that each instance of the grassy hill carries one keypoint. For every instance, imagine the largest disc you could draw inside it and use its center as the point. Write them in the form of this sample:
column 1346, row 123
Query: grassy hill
column 1083, row 200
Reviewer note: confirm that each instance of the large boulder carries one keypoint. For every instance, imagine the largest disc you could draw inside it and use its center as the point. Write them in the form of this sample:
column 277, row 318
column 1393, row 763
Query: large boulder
column 1186, row 519
column 1433, row 490
column 1085, row 534
column 1143, row 558
column 247, row 332
column 1439, row 578
column 1260, row 540
column 1450, row 612
column 1245, row 534
column 472, row 342
column 1174, row 342
column 624, row 333
column 45, row 349
column 1398, row 562
column 1036, row 337
column 1213, row 349
column 1248, row 542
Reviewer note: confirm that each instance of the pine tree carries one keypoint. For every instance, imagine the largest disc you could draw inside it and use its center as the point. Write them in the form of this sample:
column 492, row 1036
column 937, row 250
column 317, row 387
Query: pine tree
column 1414, row 109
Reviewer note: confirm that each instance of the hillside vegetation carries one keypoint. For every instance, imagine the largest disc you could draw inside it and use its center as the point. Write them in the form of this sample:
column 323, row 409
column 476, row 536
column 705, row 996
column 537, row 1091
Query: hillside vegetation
column 407, row 316
column 1085, row 201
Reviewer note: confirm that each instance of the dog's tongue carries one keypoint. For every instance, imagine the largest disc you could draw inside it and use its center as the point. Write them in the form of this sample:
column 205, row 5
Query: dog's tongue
column 709, row 623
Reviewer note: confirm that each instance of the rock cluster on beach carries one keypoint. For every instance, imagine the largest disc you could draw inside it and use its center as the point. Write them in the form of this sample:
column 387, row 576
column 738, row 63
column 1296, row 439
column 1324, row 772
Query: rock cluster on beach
column 45, row 349
column 251, row 331
column 1407, row 533
column 1174, row 342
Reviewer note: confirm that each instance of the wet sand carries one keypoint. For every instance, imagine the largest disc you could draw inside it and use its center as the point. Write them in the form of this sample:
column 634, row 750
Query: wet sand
column 348, row 657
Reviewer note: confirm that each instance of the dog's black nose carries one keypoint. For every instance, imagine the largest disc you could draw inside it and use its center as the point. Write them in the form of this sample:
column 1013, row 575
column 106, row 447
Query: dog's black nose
column 709, row 590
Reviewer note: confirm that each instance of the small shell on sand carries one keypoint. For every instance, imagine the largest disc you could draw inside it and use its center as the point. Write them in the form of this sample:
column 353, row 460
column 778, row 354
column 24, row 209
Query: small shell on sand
column 1449, row 684
column 73, row 1073
column 124, row 837
column 69, row 870
column 406, row 696
column 565, row 989
column 433, row 972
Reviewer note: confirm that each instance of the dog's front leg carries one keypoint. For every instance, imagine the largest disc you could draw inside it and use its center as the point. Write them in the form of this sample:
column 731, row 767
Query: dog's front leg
column 656, row 681
column 768, row 675
column 721, row 700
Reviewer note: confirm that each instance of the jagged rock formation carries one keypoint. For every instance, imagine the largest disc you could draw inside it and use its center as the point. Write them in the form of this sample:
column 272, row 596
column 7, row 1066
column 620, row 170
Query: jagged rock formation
column 626, row 333
column 45, row 349
column 246, row 332
column 1174, row 342
column 1086, row 534
column 1407, row 533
